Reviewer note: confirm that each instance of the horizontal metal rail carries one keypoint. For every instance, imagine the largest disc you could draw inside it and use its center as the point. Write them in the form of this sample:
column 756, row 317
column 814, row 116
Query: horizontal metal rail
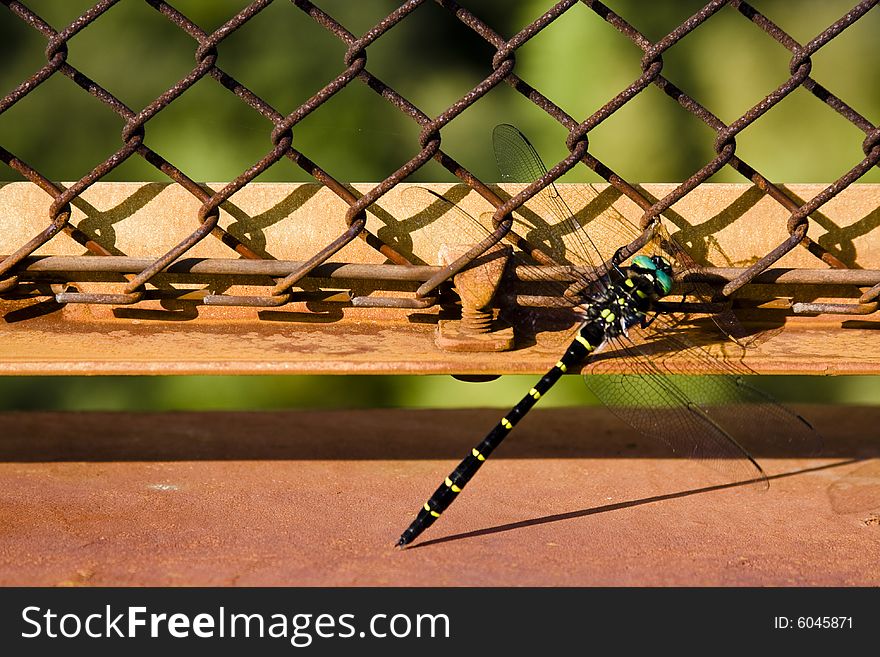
column 341, row 317
column 69, row 267
column 163, row 337
column 95, row 259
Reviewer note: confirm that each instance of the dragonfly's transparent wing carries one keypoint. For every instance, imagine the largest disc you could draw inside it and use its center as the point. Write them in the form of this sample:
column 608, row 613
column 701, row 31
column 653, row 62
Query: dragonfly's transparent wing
column 858, row 491
column 644, row 381
column 599, row 232
column 449, row 226
column 655, row 404
column 519, row 162
column 758, row 421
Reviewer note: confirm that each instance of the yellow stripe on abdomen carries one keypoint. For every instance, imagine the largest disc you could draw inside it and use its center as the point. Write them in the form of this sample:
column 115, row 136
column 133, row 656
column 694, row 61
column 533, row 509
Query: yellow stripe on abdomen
column 584, row 342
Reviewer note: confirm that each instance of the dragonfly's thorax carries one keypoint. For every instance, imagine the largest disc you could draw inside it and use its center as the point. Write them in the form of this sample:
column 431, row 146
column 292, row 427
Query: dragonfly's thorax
column 623, row 303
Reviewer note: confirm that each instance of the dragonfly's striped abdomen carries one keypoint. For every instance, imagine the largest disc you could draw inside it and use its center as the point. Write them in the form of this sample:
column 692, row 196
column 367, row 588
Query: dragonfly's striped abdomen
column 458, row 478
column 607, row 314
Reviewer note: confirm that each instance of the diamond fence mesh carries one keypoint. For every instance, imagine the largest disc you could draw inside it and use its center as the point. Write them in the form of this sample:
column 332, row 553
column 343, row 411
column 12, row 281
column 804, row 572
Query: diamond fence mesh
column 353, row 69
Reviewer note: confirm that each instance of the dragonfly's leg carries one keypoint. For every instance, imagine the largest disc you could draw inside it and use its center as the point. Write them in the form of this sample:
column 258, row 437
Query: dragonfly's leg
column 680, row 305
column 645, row 323
column 684, row 295
column 616, row 259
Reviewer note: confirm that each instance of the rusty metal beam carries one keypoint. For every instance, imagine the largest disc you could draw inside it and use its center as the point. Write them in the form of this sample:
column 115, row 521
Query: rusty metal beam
column 69, row 267
column 296, row 342
column 729, row 226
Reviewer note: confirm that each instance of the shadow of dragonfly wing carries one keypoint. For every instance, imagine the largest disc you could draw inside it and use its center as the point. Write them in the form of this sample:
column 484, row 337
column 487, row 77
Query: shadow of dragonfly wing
column 858, row 491
column 600, row 236
column 550, row 218
column 451, row 227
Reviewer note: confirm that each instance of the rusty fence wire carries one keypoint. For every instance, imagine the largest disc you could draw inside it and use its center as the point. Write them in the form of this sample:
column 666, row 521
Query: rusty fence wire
column 353, row 70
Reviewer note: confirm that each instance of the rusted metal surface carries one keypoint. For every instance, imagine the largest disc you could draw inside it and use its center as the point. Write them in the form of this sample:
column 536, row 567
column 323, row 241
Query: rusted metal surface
column 478, row 328
column 317, row 498
column 725, row 225
column 161, row 341
column 321, row 328
column 351, row 216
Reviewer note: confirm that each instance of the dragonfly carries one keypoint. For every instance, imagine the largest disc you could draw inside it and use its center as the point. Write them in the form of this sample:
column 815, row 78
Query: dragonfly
column 622, row 325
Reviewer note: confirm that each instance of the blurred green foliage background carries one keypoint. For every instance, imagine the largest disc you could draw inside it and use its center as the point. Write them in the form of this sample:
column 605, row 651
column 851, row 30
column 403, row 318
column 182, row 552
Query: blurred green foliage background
column 579, row 62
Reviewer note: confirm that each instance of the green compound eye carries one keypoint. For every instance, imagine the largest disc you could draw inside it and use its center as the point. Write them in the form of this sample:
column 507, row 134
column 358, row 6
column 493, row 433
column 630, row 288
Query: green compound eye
column 644, row 262
column 665, row 281
column 651, row 265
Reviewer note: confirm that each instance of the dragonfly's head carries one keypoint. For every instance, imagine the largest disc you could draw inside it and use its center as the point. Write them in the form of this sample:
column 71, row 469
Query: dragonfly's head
column 657, row 269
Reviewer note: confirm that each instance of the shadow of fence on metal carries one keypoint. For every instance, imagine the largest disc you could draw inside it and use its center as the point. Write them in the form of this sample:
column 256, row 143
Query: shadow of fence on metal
column 244, row 277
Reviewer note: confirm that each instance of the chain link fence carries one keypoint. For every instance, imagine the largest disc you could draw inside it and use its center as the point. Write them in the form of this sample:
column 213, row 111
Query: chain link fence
column 17, row 268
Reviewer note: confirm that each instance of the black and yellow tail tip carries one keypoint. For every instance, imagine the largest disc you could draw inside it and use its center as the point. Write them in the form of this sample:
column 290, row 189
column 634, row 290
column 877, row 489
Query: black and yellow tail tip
column 405, row 539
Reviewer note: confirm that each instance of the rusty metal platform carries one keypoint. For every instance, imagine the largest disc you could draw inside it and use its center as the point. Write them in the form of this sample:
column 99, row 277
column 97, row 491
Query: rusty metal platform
column 317, row 498
column 734, row 224
column 283, row 345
